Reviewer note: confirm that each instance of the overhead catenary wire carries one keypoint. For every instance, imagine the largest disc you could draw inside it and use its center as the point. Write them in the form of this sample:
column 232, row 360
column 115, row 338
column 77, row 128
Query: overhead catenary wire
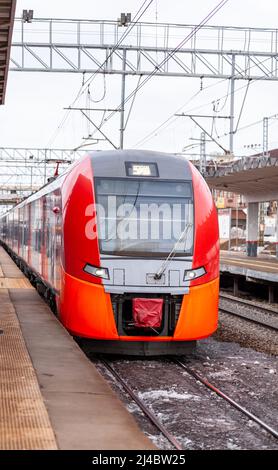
column 254, row 123
column 242, row 106
column 250, row 82
column 244, row 47
column 103, row 95
column 137, row 17
column 215, row 103
column 171, row 54
column 158, row 129
column 132, row 104
column 172, row 117
column 226, row 95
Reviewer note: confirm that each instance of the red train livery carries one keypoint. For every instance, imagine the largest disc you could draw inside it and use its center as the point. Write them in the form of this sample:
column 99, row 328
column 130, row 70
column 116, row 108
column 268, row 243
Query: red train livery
column 125, row 247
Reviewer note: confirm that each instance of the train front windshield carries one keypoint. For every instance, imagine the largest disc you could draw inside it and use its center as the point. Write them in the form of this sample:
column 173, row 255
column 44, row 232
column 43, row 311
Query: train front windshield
column 140, row 217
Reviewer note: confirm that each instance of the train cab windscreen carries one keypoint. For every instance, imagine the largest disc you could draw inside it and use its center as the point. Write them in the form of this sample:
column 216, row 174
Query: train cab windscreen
column 142, row 217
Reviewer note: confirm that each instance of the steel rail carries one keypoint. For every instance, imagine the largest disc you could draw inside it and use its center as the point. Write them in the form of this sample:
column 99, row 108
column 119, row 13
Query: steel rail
column 233, row 298
column 142, row 406
column 246, row 317
column 232, row 402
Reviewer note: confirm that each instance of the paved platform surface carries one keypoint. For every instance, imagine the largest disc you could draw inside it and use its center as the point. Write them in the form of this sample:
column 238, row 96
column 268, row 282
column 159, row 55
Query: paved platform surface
column 264, row 268
column 51, row 395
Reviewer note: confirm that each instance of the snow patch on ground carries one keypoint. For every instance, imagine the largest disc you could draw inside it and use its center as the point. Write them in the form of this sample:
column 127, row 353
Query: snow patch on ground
column 167, row 395
column 160, row 441
column 232, row 445
column 214, row 422
column 134, row 408
column 185, row 442
column 222, row 373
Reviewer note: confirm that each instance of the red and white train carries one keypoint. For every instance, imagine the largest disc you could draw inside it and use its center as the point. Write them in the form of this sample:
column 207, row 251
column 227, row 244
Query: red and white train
column 125, row 246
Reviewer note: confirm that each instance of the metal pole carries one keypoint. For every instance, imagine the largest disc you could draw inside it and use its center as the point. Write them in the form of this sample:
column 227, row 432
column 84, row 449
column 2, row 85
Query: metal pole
column 262, row 204
column 123, row 102
column 230, row 228
column 232, row 106
column 261, row 223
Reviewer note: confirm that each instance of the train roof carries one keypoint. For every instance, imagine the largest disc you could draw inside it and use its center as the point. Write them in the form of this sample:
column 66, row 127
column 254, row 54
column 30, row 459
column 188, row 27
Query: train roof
column 113, row 163
column 127, row 154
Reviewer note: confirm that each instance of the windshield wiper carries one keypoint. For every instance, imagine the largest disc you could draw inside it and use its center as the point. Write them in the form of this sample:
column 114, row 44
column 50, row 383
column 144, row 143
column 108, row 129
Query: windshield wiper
column 161, row 270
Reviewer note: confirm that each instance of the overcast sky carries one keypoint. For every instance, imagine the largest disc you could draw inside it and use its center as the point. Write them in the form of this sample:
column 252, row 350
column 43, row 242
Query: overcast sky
column 35, row 101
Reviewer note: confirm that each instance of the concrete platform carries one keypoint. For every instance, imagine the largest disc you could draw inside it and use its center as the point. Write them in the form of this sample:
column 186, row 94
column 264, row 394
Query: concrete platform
column 261, row 268
column 51, row 395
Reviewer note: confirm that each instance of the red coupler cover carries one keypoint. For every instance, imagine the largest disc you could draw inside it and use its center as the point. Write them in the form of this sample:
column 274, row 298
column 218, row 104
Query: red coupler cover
column 147, row 313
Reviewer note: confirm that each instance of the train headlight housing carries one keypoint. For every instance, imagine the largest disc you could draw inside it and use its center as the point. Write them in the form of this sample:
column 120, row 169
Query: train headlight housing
column 96, row 271
column 191, row 274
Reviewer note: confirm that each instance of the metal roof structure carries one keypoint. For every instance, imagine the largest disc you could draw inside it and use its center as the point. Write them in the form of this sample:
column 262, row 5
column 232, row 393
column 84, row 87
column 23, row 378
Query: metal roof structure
column 101, row 46
column 7, row 14
column 254, row 177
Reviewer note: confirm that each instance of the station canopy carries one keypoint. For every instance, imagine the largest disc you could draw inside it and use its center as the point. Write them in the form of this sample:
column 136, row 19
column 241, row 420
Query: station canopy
column 255, row 177
column 7, row 13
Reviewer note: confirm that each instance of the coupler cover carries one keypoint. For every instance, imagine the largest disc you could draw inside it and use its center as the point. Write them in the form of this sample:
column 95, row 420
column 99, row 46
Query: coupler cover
column 147, row 313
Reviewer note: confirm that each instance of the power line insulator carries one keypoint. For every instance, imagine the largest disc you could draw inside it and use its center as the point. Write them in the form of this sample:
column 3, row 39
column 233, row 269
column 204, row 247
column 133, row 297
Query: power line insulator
column 124, row 19
column 27, row 16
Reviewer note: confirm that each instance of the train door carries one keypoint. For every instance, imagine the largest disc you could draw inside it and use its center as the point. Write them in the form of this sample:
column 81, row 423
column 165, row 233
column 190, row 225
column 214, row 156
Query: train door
column 10, row 229
column 21, row 232
column 48, row 238
column 44, row 238
column 57, row 211
column 29, row 232
column 15, row 232
column 52, row 238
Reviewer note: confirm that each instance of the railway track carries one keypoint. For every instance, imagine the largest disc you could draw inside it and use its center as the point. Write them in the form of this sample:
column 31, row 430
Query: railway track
column 271, row 323
column 250, row 303
column 153, row 419
column 223, row 395
column 147, row 412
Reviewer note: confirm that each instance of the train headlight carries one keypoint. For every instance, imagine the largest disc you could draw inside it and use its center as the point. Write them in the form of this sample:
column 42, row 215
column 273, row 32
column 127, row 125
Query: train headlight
column 95, row 271
column 193, row 274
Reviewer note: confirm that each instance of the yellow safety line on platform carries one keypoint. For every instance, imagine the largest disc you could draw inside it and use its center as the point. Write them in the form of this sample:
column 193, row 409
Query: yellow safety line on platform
column 251, row 261
column 24, row 423
column 247, row 263
column 248, row 259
